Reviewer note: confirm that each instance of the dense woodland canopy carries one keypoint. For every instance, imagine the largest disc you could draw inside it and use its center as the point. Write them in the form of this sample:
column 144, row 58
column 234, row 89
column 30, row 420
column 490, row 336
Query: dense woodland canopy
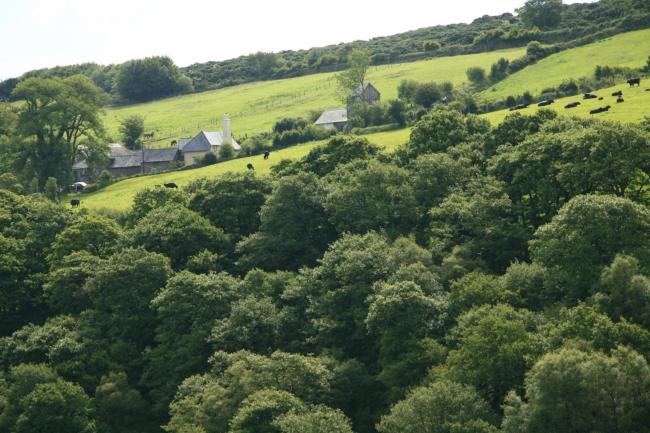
column 546, row 21
column 479, row 279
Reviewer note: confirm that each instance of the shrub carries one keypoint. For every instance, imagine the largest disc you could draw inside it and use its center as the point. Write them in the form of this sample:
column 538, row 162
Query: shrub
column 226, row 151
column 430, row 46
column 535, row 49
column 476, row 75
column 209, row 159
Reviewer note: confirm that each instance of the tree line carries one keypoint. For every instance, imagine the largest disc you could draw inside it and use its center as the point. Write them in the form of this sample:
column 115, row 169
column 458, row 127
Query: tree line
column 546, row 21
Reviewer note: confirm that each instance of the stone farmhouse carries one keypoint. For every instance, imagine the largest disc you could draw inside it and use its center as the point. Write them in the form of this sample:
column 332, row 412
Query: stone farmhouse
column 195, row 148
column 125, row 162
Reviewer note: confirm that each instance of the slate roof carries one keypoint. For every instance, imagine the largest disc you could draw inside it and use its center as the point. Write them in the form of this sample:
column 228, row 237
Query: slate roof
column 116, row 149
column 338, row 115
column 182, row 142
column 160, row 155
column 126, row 161
column 204, row 141
column 358, row 91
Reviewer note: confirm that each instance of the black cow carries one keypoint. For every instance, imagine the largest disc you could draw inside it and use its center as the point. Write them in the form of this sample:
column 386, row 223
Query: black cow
column 619, row 93
column 546, row 103
column 170, row 185
column 590, row 96
column 600, row 110
column 266, row 154
column 601, row 98
column 572, row 105
column 75, row 202
column 249, row 166
column 519, row 107
column 620, row 100
column 634, row 82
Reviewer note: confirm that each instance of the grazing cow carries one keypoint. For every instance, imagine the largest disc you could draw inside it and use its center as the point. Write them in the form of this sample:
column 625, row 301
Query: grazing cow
column 619, row 93
column 170, row 185
column 266, row 154
column 600, row 110
column 519, row 107
column 546, row 103
column 620, row 100
column 148, row 135
column 572, row 105
column 249, row 166
column 634, row 82
column 590, row 96
column 601, row 98
column 75, row 202
column 174, row 143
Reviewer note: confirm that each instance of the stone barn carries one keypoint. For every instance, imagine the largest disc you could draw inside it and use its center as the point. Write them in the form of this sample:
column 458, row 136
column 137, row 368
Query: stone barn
column 333, row 119
column 367, row 94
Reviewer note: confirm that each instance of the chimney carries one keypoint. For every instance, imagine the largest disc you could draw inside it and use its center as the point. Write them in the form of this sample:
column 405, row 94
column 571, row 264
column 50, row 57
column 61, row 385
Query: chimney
column 227, row 132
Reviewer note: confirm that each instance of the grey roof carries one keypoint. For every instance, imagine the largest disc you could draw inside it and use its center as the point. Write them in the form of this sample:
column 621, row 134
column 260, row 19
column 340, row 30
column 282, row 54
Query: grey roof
column 126, row 161
column 366, row 87
column 338, row 115
column 182, row 142
column 116, row 149
column 160, row 155
column 204, row 141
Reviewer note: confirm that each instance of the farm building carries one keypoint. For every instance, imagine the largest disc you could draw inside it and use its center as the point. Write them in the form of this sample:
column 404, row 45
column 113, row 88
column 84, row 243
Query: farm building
column 333, row 119
column 366, row 93
column 206, row 141
column 125, row 162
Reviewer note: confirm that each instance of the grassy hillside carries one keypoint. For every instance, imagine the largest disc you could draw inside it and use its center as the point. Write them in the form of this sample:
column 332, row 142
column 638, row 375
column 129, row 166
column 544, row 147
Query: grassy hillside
column 634, row 109
column 119, row 196
column 628, row 49
column 256, row 106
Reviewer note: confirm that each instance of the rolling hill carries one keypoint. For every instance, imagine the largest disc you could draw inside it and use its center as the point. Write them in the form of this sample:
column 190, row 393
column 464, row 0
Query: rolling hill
column 628, row 49
column 255, row 107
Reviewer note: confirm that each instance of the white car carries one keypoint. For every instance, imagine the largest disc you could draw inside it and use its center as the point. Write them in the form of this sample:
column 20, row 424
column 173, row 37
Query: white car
column 78, row 186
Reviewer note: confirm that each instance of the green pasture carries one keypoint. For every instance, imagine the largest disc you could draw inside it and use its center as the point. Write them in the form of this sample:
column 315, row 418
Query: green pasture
column 255, row 107
column 634, row 109
column 119, row 196
column 628, row 49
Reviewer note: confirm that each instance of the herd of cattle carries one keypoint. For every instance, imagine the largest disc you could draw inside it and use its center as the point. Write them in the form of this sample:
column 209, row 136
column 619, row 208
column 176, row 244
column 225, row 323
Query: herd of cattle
column 619, row 100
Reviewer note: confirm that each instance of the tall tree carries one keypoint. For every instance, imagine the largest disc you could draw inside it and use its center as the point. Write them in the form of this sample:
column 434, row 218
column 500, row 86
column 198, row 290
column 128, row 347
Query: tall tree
column 150, row 78
column 57, row 116
column 574, row 391
column 545, row 14
column 442, row 407
column 131, row 130
column 355, row 76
